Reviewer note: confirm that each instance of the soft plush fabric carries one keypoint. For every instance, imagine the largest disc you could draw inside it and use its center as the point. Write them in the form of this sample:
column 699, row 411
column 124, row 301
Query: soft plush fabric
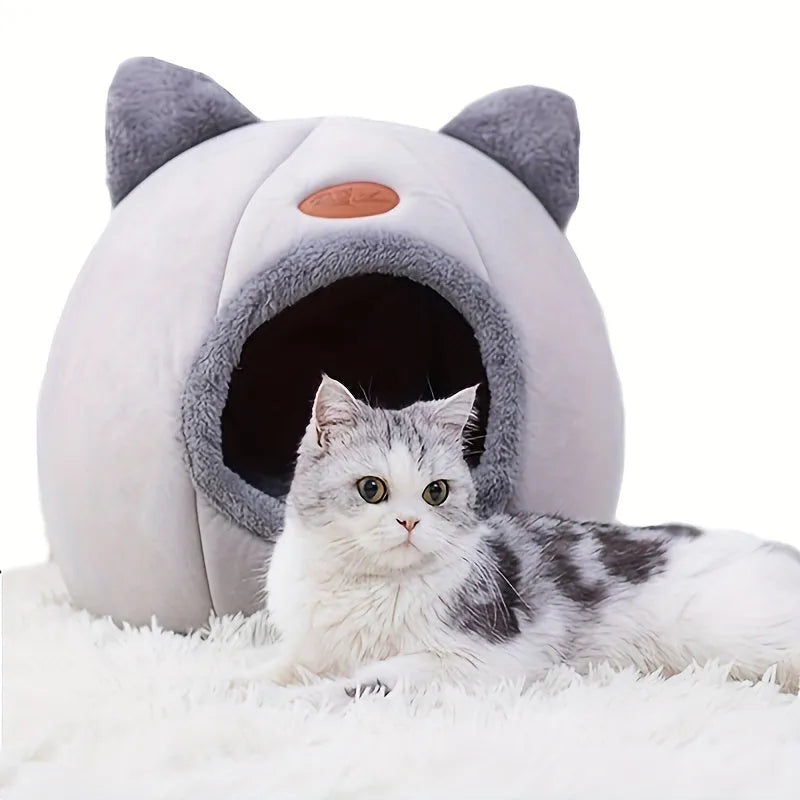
column 93, row 712
column 157, row 495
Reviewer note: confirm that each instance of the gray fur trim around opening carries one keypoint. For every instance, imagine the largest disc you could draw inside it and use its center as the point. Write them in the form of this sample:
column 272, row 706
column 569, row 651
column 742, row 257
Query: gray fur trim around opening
column 304, row 269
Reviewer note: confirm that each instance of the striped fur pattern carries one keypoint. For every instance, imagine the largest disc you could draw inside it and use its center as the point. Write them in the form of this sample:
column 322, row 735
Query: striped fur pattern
column 358, row 597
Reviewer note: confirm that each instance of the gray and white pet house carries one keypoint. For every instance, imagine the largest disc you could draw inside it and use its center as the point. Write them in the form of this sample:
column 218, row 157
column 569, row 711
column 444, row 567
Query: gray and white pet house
column 244, row 258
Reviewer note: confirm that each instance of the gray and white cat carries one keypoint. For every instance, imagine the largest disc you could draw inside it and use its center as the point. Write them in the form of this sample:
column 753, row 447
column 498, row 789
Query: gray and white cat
column 384, row 572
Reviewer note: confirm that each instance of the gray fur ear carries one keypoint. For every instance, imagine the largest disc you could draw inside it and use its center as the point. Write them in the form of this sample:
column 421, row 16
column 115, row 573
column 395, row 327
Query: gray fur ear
column 155, row 111
column 534, row 134
column 334, row 409
column 457, row 412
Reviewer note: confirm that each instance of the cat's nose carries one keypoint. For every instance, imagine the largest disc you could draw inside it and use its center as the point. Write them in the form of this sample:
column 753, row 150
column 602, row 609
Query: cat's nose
column 409, row 524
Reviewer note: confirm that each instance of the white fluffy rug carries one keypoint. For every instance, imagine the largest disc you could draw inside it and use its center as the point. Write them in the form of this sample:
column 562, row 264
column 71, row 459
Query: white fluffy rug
column 91, row 711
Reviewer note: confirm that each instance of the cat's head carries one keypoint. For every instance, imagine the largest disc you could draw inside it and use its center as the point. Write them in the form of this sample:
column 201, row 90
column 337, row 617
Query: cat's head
column 382, row 490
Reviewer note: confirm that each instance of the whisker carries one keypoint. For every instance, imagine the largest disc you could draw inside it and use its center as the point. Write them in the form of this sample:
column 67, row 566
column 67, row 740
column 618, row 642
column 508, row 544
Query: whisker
column 394, row 606
column 511, row 586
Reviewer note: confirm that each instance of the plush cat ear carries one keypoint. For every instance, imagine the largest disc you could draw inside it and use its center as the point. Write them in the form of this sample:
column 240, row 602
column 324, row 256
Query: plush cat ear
column 334, row 408
column 456, row 413
column 534, row 134
column 155, row 111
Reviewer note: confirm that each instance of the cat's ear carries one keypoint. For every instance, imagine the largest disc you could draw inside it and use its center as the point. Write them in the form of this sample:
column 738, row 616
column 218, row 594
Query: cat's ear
column 534, row 134
column 335, row 408
column 157, row 110
column 456, row 413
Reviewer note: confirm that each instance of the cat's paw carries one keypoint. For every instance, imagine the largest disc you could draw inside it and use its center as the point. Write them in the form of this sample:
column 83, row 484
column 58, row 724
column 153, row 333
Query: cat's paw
column 280, row 671
column 361, row 688
column 380, row 677
column 412, row 671
column 787, row 674
column 284, row 672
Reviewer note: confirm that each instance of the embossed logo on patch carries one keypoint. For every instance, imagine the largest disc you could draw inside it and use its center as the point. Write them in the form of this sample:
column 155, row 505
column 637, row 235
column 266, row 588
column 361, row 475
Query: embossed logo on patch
column 356, row 199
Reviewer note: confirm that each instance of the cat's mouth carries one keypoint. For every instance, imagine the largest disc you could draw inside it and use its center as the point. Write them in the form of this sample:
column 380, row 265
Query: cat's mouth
column 392, row 318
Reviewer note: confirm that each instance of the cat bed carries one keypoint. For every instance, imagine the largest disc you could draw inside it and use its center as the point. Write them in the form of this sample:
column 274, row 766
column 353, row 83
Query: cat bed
column 92, row 711
column 242, row 259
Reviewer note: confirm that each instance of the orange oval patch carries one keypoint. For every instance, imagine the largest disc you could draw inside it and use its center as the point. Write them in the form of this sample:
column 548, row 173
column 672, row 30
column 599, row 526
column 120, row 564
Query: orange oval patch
column 356, row 199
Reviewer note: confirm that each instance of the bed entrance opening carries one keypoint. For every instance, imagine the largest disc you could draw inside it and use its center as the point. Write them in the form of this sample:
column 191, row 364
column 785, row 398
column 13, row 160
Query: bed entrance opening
column 387, row 338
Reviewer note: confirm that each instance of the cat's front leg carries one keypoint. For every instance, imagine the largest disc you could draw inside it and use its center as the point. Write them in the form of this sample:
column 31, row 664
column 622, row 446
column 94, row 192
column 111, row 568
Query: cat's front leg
column 413, row 670
column 380, row 677
column 286, row 668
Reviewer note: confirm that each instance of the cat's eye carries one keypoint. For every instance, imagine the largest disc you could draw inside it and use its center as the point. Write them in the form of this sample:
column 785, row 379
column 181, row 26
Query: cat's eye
column 436, row 493
column 372, row 489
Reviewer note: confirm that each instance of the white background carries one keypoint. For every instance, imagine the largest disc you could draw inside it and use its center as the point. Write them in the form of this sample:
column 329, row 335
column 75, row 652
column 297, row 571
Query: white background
column 686, row 226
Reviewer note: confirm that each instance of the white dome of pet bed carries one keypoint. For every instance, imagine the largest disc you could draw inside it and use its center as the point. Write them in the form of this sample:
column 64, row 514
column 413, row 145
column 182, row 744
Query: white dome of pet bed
column 241, row 260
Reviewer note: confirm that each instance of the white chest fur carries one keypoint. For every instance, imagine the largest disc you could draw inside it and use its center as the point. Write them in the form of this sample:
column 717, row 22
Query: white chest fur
column 332, row 622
